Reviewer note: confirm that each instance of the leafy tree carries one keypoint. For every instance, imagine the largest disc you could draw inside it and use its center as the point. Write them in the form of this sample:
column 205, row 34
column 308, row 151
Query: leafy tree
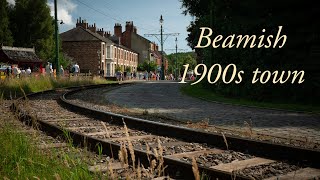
column 118, row 68
column 250, row 17
column 183, row 58
column 5, row 33
column 33, row 26
column 128, row 69
column 147, row 66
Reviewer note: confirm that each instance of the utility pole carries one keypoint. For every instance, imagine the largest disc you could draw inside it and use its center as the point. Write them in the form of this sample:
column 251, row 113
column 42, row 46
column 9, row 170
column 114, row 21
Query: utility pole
column 56, row 38
column 175, row 72
column 162, row 40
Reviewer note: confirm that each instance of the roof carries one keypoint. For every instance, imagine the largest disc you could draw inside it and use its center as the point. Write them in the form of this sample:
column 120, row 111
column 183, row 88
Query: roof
column 141, row 37
column 81, row 34
column 115, row 40
column 20, row 54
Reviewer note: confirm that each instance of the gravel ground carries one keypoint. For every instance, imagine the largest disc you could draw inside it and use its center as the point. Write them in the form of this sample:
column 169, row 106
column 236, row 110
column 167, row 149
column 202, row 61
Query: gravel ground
column 269, row 170
column 212, row 159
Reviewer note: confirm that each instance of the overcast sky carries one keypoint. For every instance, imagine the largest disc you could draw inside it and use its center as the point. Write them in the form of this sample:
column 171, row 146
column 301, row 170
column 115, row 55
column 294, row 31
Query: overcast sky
column 145, row 14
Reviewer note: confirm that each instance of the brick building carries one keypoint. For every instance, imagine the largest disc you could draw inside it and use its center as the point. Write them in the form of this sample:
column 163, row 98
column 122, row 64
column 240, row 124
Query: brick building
column 148, row 51
column 92, row 49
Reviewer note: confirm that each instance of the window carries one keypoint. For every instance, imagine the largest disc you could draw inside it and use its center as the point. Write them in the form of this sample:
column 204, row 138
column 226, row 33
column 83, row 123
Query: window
column 108, row 52
column 103, row 49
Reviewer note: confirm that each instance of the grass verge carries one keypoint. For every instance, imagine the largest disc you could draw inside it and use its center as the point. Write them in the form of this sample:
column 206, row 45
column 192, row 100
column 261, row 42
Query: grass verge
column 11, row 88
column 20, row 160
column 200, row 92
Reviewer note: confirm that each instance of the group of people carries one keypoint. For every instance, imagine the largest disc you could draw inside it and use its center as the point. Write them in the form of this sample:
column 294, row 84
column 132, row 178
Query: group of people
column 17, row 72
column 121, row 76
column 75, row 69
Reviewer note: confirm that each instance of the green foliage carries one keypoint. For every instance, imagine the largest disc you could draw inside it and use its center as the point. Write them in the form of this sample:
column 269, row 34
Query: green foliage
column 20, row 160
column 183, row 58
column 128, row 69
column 118, row 68
column 147, row 66
column 235, row 17
column 36, row 84
column 32, row 26
column 5, row 33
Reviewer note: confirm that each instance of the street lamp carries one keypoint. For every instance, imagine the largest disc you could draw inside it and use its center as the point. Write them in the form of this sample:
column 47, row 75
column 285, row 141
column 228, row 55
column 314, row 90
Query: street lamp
column 56, row 37
column 175, row 70
column 99, row 61
column 162, row 63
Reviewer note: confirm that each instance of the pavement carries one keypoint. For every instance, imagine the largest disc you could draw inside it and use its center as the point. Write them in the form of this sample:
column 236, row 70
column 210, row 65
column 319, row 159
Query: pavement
column 166, row 99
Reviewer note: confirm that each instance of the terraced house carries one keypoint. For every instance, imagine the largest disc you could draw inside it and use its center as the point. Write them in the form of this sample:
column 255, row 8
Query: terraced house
column 96, row 50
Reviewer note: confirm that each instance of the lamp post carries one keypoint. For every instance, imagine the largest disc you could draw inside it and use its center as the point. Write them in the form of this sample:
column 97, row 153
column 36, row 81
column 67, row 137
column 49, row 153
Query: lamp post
column 162, row 63
column 99, row 62
column 56, row 38
column 175, row 69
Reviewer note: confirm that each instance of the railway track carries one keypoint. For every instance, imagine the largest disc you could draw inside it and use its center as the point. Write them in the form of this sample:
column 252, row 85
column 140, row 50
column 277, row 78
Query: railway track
column 163, row 147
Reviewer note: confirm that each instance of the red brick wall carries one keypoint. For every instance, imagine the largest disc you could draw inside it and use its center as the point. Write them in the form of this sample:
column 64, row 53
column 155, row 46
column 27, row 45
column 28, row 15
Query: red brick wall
column 126, row 39
column 84, row 53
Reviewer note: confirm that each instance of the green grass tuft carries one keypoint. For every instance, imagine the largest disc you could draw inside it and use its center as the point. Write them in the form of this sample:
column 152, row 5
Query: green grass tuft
column 11, row 88
column 20, row 160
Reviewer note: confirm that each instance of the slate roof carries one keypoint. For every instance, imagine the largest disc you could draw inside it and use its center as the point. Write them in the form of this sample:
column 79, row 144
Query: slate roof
column 81, row 34
column 20, row 54
column 139, row 36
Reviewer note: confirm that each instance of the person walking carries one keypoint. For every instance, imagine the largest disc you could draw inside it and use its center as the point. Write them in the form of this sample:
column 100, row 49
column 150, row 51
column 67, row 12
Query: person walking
column 146, row 75
column 8, row 72
column 28, row 71
column 76, row 69
column 61, row 71
column 16, row 72
column 48, row 69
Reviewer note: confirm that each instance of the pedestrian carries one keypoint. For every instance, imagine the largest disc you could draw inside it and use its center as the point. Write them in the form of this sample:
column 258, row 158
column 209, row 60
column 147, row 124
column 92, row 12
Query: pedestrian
column 118, row 75
column 76, row 69
column 28, row 71
column 134, row 74
column 8, row 72
column 16, row 72
column 61, row 72
column 146, row 75
column 48, row 69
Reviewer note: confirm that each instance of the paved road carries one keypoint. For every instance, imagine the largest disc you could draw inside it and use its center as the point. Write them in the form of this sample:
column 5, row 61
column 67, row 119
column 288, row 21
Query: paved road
column 165, row 98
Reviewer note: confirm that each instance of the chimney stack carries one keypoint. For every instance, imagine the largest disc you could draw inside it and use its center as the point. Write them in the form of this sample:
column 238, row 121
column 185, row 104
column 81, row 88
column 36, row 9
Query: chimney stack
column 82, row 23
column 101, row 32
column 93, row 28
column 135, row 29
column 129, row 26
column 107, row 34
column 118, row 30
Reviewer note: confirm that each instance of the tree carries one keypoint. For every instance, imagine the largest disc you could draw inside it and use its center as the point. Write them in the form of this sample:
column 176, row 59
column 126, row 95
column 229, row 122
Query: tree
column 183, row 58
column 33, row 26
column 250, row 17
column 147, row 66
column 5, row 33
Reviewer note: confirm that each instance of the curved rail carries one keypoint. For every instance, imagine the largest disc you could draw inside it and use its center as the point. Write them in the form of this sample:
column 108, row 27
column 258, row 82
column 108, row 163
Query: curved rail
column 176, row 167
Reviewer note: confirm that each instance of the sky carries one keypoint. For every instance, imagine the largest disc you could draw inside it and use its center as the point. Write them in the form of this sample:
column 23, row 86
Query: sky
column 145, row 15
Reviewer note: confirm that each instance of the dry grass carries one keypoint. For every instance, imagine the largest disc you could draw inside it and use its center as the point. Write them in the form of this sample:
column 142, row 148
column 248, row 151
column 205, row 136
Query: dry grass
column 195, row 169
column 204, row 124
column 225, row 140
column 155, row 157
